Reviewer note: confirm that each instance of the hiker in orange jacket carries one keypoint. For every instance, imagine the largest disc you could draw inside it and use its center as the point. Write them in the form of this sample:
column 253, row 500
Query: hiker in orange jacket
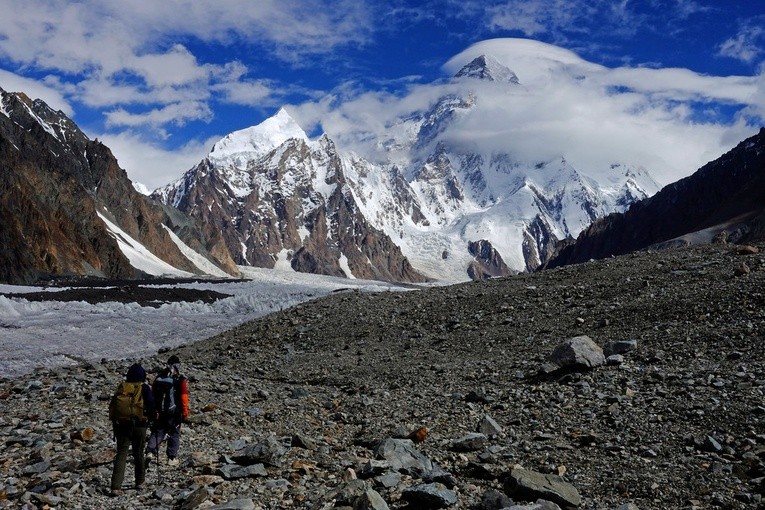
column 171, row 394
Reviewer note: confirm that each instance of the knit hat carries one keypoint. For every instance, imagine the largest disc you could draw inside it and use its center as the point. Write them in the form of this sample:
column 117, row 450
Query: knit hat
column 136, row 373
column 174, row 360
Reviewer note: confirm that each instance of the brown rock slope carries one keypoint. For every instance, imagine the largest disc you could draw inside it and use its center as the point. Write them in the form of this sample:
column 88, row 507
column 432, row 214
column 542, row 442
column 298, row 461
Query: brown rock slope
column 290, row 407
column 724, row 198
column 54, row 181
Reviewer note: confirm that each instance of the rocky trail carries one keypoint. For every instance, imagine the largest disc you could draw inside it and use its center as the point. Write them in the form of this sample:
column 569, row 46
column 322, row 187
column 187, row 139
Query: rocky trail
column 443, row 398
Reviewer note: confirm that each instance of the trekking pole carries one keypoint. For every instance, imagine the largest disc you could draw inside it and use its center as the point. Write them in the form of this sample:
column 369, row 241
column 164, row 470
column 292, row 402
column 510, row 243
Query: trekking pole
column 159, row 464
column 153, row 436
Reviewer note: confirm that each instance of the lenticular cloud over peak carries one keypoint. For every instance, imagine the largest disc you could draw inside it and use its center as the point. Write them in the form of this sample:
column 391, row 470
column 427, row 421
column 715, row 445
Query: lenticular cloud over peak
column 530, row 60
column 560, row 106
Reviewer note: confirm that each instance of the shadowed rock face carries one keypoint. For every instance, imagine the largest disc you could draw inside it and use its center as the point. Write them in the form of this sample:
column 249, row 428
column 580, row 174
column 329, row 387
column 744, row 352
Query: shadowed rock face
column 53, row 184
column 725, row 198
column 488, row 262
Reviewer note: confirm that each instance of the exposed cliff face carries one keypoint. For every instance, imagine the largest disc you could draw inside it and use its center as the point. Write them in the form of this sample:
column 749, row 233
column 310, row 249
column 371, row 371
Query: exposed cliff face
column 488, row 262
column 725, row 198
column 53, row 185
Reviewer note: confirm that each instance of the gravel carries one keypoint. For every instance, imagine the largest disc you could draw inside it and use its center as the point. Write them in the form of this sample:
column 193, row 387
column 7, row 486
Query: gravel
column 295, row 410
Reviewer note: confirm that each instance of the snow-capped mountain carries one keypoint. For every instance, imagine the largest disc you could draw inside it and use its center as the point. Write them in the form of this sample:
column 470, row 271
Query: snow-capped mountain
column 282, row 200
column 68, row 209
column 434, row 201
column 486, row 67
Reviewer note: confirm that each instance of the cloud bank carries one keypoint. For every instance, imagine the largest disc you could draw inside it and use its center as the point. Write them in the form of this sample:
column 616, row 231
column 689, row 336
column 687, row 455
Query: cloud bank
column 130, row 52
column 668, row 120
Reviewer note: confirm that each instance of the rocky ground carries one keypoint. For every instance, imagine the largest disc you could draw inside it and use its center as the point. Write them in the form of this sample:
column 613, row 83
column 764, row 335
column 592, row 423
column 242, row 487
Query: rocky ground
column 311, row 407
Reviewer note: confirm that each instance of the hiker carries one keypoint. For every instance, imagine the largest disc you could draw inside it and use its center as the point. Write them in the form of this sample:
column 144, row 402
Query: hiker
column 172, row 396
column 131, row 410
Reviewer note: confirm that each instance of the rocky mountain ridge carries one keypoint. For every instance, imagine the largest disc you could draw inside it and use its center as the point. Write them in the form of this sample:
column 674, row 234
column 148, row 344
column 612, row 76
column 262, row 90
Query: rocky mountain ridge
column 277, row 197
column 725, row 198
column 63, row 195
column 451, row 397
column 424, row 194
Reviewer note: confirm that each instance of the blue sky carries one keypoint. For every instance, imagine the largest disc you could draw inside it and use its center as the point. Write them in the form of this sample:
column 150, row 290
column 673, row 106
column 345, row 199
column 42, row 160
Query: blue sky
column 160, row 82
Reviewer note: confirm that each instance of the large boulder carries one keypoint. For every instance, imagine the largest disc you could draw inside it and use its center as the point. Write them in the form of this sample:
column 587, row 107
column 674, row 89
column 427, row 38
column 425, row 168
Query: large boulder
column 527, row 485
column 578, row 352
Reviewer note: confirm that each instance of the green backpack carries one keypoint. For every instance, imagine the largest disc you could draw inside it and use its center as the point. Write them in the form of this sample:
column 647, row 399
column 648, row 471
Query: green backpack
column 127, row 403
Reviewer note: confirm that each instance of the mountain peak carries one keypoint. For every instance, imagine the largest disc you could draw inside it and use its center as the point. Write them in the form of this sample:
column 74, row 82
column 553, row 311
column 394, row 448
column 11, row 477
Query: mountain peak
column 486, row 67
column 258, row 140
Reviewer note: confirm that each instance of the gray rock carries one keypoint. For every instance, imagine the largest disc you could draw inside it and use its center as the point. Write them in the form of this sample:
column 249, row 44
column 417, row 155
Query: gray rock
column 530, row 485
column 403, row 456
column 348, row 492
column 710, row 444
column 192, row 499
column 389, row 479
column 46, row 499
column 471, row 442
column 539, row 504
column 438, row 474
column 431, row 495
column 36, row 468
column 235, row 471
column 489, row 427
column 303, row 441
column 578, row 352
column 494, row 500
column 375, row 467
column 614, row 359
column 370, row 500
column 619, row 347
column 268, row 451
column 235, row 504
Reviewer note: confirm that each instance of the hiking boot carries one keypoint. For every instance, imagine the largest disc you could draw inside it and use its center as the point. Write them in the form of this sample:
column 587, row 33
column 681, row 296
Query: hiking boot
column 173, row 461
column 139, row 486
column 115, row 492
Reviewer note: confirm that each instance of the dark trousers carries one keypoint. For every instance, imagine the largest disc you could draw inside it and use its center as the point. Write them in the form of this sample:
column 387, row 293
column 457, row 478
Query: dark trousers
column 165, row 430
column 129, row 435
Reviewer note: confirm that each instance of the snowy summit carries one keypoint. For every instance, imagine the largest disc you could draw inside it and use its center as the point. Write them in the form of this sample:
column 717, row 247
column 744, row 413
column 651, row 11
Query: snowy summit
column 251, row 143
column 486, row 67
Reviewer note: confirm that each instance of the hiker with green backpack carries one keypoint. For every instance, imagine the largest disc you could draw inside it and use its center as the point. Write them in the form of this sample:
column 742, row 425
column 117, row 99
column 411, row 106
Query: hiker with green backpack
column 131, row 411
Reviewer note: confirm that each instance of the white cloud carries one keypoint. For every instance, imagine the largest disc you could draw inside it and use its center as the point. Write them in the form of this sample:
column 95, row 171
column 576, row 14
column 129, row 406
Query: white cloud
column 175, row 67
column 562, row 20
column 177, row 113
column 11, row 82
column 534, row 17
column 126, row 53
column 566, row 106
column 244, row 93
column 149, row 163
column 746, row 45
